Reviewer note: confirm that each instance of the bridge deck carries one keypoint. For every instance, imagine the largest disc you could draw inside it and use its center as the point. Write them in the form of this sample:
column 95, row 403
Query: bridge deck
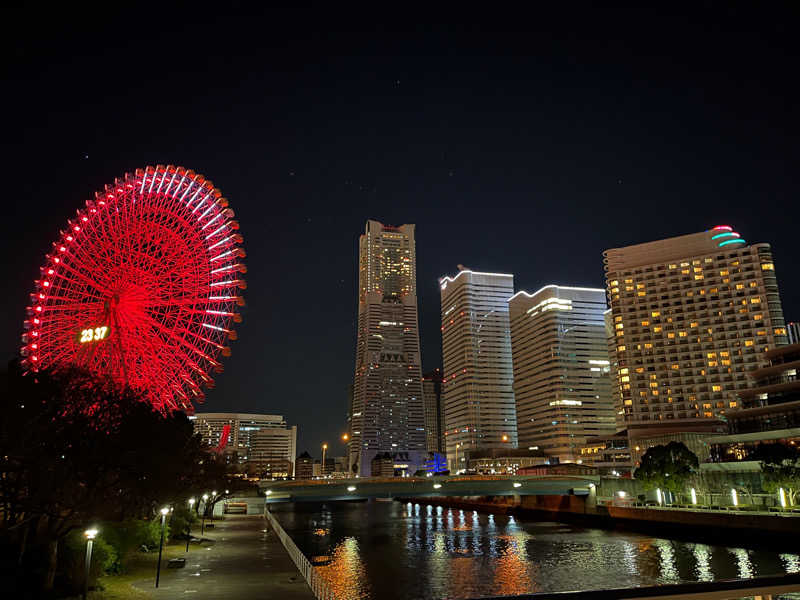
column 316, row 490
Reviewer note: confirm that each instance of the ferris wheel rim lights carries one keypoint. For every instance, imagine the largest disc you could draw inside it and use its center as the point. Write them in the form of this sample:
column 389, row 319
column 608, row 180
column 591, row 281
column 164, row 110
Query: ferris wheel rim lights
column 139, row 260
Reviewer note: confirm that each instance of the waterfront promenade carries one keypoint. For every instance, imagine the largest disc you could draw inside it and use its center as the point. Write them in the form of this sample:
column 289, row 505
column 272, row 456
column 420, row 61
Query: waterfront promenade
column 243, row 559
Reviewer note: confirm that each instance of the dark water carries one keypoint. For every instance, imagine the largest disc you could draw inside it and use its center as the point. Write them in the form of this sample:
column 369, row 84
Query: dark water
column 385, row 550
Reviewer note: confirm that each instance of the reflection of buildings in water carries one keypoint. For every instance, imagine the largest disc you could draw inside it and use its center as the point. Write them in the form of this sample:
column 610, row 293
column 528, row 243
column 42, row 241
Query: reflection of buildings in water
column 511, row 574
column 791, row 562
column 629, row 554
column 669, row 571
column 744, row 565
column 702, row 555
column 346, row 574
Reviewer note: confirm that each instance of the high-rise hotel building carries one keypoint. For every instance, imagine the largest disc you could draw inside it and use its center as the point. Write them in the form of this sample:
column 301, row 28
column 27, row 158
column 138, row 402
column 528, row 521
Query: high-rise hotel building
column 561, row 369
column 477, row 390
column 434, row 411
column 387, row 414
column 691, row 315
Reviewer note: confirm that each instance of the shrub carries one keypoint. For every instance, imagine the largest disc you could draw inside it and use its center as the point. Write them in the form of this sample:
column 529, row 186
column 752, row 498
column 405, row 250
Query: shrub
column 73, row 559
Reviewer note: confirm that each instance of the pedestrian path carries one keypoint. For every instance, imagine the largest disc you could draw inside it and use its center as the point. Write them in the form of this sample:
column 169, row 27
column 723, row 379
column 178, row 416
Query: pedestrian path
column 242, row 560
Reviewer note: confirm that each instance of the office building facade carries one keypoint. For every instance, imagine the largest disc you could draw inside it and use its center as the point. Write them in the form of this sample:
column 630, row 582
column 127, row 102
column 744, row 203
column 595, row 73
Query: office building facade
column 257, row 443
column 793, row 332
column 386, row 412
column 477, row 385
column 434, row 412
column 691, row 315
column 562, row 385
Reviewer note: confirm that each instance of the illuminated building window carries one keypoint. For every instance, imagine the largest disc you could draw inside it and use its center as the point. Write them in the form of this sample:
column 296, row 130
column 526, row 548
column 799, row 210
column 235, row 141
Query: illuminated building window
column 620, row 348
column 640, row 369
column 617, row 319
column 698, row 277
column 767, row 267
column 758, row 317
column 657, row 329
column 693, row 324
column 684, row 264
column 681, row 334
column 716, row 388
column 723, row 273
column 675, row 366
column 739, row 286
column 645, row 323
column 732, row 404
column 670, row 335
column 761, row 332
column 780, row 331
column 755, row 300
column 648, row 346
column 619, row 326
column 748, row 342
column 641, row 294
column 753, row 284
column 625, row 378
column 614, row 283
column 655, row 313
column 673, row 266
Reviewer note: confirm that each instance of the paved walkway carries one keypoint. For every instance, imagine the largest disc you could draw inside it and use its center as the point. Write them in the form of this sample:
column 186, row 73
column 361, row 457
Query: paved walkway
column 246, row 560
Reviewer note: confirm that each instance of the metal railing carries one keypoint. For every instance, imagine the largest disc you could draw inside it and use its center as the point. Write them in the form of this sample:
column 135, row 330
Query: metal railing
column 315, row 581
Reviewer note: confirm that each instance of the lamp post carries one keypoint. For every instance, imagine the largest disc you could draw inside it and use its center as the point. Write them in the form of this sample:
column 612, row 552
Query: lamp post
column 189, row 524
column 90, row 535
column 322, row 471
column 203, row 517
column 213, row 497
column 164, row 512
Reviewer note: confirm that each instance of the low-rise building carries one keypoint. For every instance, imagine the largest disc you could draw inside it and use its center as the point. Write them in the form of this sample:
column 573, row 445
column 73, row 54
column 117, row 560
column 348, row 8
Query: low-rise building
column 505, row 461
column 610, row 454
column 304, row 466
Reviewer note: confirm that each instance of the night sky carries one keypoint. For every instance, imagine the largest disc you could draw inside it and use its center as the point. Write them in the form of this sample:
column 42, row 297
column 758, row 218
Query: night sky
column 526, row 144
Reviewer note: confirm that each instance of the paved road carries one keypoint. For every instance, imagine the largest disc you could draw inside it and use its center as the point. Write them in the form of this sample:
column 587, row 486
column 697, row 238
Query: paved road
column 245, row 561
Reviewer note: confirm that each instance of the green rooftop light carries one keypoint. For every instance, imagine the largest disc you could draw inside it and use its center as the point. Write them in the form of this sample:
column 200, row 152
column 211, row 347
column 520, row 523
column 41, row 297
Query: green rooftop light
column 737, row 241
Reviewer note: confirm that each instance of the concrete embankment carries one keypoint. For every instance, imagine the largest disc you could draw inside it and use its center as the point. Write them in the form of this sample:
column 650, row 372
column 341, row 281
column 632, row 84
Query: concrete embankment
column 741, row 528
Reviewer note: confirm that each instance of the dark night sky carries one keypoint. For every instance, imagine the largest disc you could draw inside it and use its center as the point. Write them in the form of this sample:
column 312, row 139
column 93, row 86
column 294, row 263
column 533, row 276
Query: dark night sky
column 526, row 145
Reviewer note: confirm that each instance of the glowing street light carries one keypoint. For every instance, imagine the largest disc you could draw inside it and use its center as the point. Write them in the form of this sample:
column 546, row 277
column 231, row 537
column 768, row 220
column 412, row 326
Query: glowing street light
column 164, row 513
column 203, row 516
column 517, row 484
column 436, row 486
column 189, row 524
column 213, row 498
column 90, row 535
column 351, row 488
column 345, row 437
column 324, row 449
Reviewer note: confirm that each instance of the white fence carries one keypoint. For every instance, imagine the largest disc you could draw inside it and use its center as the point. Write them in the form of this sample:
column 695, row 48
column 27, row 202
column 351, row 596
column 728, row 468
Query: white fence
column 315, row 581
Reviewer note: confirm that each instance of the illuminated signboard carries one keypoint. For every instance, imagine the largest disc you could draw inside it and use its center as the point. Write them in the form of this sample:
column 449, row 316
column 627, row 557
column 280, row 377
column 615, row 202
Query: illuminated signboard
column 94, row 334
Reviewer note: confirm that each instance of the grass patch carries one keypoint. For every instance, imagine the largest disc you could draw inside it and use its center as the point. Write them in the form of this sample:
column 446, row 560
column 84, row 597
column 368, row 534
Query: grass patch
column 141, row 569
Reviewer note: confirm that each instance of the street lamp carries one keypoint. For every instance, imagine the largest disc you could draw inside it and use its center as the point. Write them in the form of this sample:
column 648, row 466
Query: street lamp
column 189, row 524
column 203, row 516
column 213, row 498
column 345, row 437
column 90, row 535
column 324, row 448
column 164, row 513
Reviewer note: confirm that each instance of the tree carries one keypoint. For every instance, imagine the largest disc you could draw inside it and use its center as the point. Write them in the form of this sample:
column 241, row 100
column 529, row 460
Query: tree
column 76, row 448
column 667, row 467
column 780, row 468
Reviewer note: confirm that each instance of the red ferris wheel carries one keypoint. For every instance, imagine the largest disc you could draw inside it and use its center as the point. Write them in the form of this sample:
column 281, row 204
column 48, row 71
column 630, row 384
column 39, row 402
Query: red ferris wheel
column 143, row 287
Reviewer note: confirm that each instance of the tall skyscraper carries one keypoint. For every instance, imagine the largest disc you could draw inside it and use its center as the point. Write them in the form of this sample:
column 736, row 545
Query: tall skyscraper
column 793, row 331
column 692, row 314
column 387, row 408
column 476, row 347
column 561, row 369
column 434, row 411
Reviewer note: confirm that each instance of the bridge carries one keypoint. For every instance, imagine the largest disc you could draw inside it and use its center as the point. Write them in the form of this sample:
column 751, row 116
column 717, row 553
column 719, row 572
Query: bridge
column 326, row 490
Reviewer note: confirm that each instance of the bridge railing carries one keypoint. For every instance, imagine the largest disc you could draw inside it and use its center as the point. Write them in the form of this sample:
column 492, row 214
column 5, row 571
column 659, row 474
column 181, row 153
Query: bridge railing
column 315, row 581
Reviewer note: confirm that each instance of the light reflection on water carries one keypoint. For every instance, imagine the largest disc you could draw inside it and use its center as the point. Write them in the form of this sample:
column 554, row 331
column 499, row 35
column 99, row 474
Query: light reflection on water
column 384, row 550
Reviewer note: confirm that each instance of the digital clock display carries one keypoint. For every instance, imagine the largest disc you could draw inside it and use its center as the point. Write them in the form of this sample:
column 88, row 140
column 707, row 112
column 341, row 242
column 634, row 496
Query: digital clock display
column 94, row 334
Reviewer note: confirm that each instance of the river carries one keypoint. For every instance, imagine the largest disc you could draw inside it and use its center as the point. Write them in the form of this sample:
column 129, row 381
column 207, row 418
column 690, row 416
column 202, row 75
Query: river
column 386, row 550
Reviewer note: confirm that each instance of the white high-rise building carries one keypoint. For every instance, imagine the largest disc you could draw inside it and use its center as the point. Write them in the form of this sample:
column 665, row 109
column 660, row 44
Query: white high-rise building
column 692, row 315
column 793, row 331
column 477, row 391
column 562, row 385
column 254, row 441
column 386, row 412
